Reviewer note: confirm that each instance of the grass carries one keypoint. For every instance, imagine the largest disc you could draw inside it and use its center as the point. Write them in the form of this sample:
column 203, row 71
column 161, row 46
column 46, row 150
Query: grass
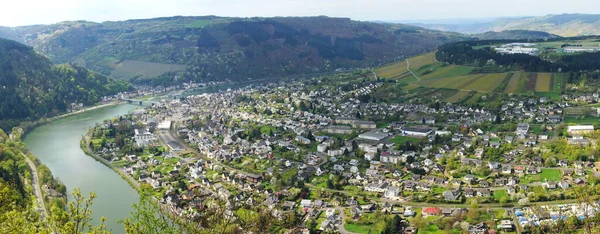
column 558, row 83
column 448, row 71
column 458, row 97
column 487, row 83
column 550, row 174
column 401, row 140
column 498, row 194
column 551, row 95
column 543, row 82
column 416, row 63
column 361, row 228
column 475, row 98
column 131, row 68
column 289, row 174
column 513, row 84
column 580, row 120
column 456, row 82
column 392, row 70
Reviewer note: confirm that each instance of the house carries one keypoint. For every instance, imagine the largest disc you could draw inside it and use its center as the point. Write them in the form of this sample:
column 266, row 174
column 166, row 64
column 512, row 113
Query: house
column 451, row 195
column 578, row 140
column 522, row 129
column 563, row 184
column 408, row 212
column 430, row 211
column 302, row 140
column 392, row 192
column 549, row 185
column 416, row 131
column 580, row 129
column 305, row 203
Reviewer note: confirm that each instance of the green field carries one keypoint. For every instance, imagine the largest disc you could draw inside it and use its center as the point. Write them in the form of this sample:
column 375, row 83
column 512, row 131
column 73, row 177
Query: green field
column 580, row 120
column 131, row 68
column 448, row 71
column 558, row 82
column 498, row 194
column 551, row 95
column 458, row 97
column 361, row 228
column 401, row 140
column 392, row 70
column 550, row 174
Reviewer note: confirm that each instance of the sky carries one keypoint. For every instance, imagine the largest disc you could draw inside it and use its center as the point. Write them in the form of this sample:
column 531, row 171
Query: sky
column 28, row 12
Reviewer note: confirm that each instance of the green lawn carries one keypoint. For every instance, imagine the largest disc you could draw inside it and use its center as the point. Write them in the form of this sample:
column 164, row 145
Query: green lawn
column 580, row 120
column 550, row 174
column 401, row 140
column 289, row 174
column 498, row 194
column 551, row 95
column 361, row 228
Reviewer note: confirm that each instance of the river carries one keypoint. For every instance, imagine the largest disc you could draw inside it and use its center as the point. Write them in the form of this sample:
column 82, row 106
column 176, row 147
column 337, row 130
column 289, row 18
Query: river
column 56, row 144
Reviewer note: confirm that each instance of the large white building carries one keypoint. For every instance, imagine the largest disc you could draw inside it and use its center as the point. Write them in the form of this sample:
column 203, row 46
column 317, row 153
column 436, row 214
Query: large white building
column 581, row 49
column 518, row 48
column 580, row 129
column 143, row 138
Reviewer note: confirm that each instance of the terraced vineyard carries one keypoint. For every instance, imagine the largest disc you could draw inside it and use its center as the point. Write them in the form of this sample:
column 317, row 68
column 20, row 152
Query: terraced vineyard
column 469, row 87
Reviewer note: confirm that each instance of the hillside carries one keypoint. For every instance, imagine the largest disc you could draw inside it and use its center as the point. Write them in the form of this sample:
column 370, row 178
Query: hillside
column 32, row 87
column 216, row 48
column 565, row 25
column 515, row 35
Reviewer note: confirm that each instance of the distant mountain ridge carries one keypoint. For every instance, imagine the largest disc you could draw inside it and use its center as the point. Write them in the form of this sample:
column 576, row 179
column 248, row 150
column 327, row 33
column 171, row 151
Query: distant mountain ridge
column 217, row 48
column 565, row 25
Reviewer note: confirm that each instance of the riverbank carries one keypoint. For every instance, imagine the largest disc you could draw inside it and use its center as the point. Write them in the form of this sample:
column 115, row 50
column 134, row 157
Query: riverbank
column 85, row 147
column 27, row 126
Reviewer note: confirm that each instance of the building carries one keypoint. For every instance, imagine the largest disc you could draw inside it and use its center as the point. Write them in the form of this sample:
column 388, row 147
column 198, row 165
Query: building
column 522, row 129
column 417, row 131
column 580, row 129
column 337, row 129
column 581, row 49
column 374, row 135
column 164, row 125
column 518, row 48
column 364, row 124
column 144, row 138
column 302, row 140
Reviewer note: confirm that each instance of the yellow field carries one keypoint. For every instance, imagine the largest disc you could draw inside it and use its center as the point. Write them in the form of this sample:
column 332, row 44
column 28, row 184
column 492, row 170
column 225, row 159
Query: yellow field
column 447, row 71
column 487, row 83
column 457, row 97
column 399, row 69
column 456, row 82
column 392, row 70
column 543, row 82
column 513, row 84
column 421, row 60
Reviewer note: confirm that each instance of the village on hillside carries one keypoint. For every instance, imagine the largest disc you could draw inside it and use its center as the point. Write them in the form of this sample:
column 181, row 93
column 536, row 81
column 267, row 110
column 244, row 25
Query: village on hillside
column 342, row 151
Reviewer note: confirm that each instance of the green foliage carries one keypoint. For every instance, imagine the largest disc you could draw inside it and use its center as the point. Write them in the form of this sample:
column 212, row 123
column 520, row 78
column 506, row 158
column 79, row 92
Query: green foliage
column 238, row 48
column 32, row 88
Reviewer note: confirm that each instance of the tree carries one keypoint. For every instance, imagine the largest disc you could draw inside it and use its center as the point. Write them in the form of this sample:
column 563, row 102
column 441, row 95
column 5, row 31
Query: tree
column 76, row 219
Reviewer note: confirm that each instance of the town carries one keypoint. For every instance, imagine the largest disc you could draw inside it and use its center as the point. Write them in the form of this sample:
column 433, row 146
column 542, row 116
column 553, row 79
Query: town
column 341, row 151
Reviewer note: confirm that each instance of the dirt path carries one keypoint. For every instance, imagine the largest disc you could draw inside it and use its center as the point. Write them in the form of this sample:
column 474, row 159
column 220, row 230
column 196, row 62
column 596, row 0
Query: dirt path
column 408, row 68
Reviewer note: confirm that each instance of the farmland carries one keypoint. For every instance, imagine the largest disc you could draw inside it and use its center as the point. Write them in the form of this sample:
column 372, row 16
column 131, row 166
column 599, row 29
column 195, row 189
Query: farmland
column 513, row 84
column 459, row 96
column 543, row 82
column 448, row 71
column 130, row 68
column 393, row 70
column 480, row 83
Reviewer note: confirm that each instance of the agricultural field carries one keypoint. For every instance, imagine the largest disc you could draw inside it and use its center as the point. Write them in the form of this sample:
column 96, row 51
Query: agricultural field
column 416, row 63
column 457, row 82
column 131, row 68
column 475, row 98
column 513, row 83
column 558, row 83
column 441, row 94
column 543, row 82
column 448, row 71
column 459, row 97
column 487, row 83
column 392, row 70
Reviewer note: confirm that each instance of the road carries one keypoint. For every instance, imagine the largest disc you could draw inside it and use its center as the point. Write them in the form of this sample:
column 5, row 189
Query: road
column 36, row 188
column 408, row 68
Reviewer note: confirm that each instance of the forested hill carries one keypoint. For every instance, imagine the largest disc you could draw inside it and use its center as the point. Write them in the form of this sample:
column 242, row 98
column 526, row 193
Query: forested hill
column 515, row 35
column 216, row 48
column 32, row 87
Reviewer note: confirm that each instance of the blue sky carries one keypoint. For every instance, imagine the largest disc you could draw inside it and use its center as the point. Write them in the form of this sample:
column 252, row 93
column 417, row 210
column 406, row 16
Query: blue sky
column 27, row 12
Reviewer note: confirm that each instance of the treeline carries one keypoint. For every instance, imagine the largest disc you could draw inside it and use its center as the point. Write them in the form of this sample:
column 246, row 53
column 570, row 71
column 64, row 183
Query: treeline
column 463, row 53
column 31, row 87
